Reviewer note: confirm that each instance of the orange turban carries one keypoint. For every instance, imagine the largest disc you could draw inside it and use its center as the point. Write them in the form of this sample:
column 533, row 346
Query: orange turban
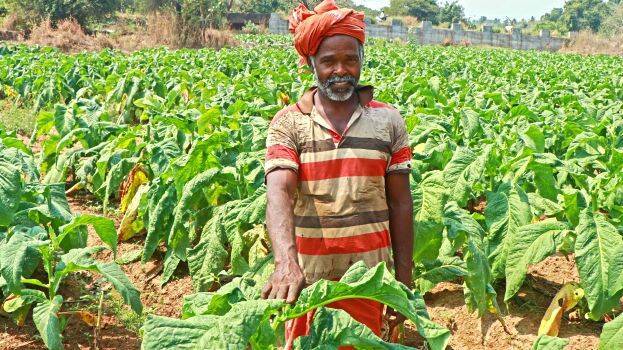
column 311, row 27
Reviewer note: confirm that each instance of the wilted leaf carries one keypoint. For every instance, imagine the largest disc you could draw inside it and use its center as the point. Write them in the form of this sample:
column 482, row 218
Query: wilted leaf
column 566, row 299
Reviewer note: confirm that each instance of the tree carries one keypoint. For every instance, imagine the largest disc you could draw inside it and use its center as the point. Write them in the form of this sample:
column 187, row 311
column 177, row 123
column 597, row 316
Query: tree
column 613, row 24
column 84, row 11
column 553, row 16
column 423, row 10
column 584, row 14
column 259, row 6
column 451, row 12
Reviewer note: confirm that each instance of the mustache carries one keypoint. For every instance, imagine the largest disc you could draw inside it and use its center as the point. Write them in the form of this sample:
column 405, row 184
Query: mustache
column 334, row 79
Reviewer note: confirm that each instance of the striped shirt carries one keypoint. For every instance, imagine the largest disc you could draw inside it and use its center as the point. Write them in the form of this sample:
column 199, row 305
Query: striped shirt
column 341, row 214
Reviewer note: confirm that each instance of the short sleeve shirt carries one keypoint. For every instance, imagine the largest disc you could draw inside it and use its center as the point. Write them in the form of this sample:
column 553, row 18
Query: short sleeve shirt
column 341, row 214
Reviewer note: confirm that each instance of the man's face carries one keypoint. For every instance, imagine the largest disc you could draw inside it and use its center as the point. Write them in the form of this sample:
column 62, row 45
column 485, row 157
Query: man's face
column 337, row 67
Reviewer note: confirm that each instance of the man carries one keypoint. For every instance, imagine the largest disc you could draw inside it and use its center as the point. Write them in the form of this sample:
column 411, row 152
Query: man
column 337, row 171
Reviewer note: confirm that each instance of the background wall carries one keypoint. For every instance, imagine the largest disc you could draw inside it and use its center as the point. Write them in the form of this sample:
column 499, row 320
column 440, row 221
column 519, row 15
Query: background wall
column 427, row 34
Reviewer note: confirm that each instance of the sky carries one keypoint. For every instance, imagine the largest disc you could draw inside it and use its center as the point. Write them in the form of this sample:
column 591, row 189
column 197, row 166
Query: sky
column 492, row 8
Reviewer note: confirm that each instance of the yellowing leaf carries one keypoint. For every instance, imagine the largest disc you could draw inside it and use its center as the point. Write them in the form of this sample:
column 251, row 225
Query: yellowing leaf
column 19, row 315
column 419, row 148
column 87, row 317
column 565, row 300
column 284, row 99
column 135, row 179
column 12, row 303
column 131, row 224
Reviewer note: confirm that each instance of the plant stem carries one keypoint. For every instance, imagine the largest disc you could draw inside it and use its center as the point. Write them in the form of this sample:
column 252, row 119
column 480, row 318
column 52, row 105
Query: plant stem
column 96, row 330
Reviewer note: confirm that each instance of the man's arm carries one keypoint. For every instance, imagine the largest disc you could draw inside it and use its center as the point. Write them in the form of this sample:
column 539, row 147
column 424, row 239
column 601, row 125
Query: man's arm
column 287, row 280
column 400, row 205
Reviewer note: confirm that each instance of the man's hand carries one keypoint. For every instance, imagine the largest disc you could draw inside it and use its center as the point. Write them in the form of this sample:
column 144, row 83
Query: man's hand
column 395, row 323
column 285, row 283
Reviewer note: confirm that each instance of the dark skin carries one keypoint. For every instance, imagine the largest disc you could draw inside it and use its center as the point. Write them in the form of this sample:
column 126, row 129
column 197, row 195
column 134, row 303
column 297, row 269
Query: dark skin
column 337, row 55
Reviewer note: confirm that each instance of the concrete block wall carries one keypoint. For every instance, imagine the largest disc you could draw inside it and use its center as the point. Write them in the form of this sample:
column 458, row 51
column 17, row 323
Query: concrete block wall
column 426, row 34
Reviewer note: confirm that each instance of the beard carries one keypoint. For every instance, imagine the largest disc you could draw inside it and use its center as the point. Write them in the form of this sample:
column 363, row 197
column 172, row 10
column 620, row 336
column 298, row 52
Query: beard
column 328, row 89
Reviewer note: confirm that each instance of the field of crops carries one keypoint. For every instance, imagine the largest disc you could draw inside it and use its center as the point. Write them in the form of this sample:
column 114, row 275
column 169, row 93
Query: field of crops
column 518, row 156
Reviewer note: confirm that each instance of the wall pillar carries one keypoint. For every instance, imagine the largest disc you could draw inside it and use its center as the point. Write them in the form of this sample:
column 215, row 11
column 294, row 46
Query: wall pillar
column 487, row 35
column 427, row 32
column 516, row 39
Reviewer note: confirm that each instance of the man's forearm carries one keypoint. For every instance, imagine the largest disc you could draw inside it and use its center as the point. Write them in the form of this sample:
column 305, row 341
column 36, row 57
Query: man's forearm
column 287, row 280
column 280, row 225
column 401, row 228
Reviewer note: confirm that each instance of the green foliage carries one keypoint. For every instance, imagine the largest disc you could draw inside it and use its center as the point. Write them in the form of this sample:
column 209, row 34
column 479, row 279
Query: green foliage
column 261, row 6
column 234, row 318
column 599, row 250
column 451, row 12
column 612, row 334
column 423, row 10
column 584, row 14
column 83, row 11
column 40, row 237
column 612, row 25
column 514, row 160
column 545, row 342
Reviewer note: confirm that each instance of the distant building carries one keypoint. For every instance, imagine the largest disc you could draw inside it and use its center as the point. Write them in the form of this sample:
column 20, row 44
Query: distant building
column 381, row 17
column 237, row 20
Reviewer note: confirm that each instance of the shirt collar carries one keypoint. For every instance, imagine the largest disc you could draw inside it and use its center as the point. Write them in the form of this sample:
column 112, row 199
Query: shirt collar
column 316, row 117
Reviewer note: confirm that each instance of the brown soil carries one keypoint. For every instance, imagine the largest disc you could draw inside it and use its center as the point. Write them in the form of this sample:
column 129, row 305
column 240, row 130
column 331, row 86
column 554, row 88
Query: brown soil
column 445, row 305
column 523, row 317
column 165, row 301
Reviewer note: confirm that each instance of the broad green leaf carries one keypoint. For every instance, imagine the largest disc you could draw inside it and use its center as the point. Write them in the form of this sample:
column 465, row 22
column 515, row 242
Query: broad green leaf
column 113, row 274
column 246, row 287
column 169, row 333
column 171, row 262
column 208, row 119
column 596, row 247
column 82, row 259
column 216, row 303
column 333, row 328
column 10, row 191
column 463, row 171
column 48, row 323
column 612, row 334
column 478, row 278
column 545, row 342
column 160, row 216
column 531, row 244
column 428, row 223
column 574, row 203
column 534, row 139
column 53, row 206
column 19, row 257
column 104, row 228
column 544, row 181
column 443, row 269
column 209, row 256
column 375, row 284
column 233, row 330
column 543, row 206
column 507, row 210
column 179, row 238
